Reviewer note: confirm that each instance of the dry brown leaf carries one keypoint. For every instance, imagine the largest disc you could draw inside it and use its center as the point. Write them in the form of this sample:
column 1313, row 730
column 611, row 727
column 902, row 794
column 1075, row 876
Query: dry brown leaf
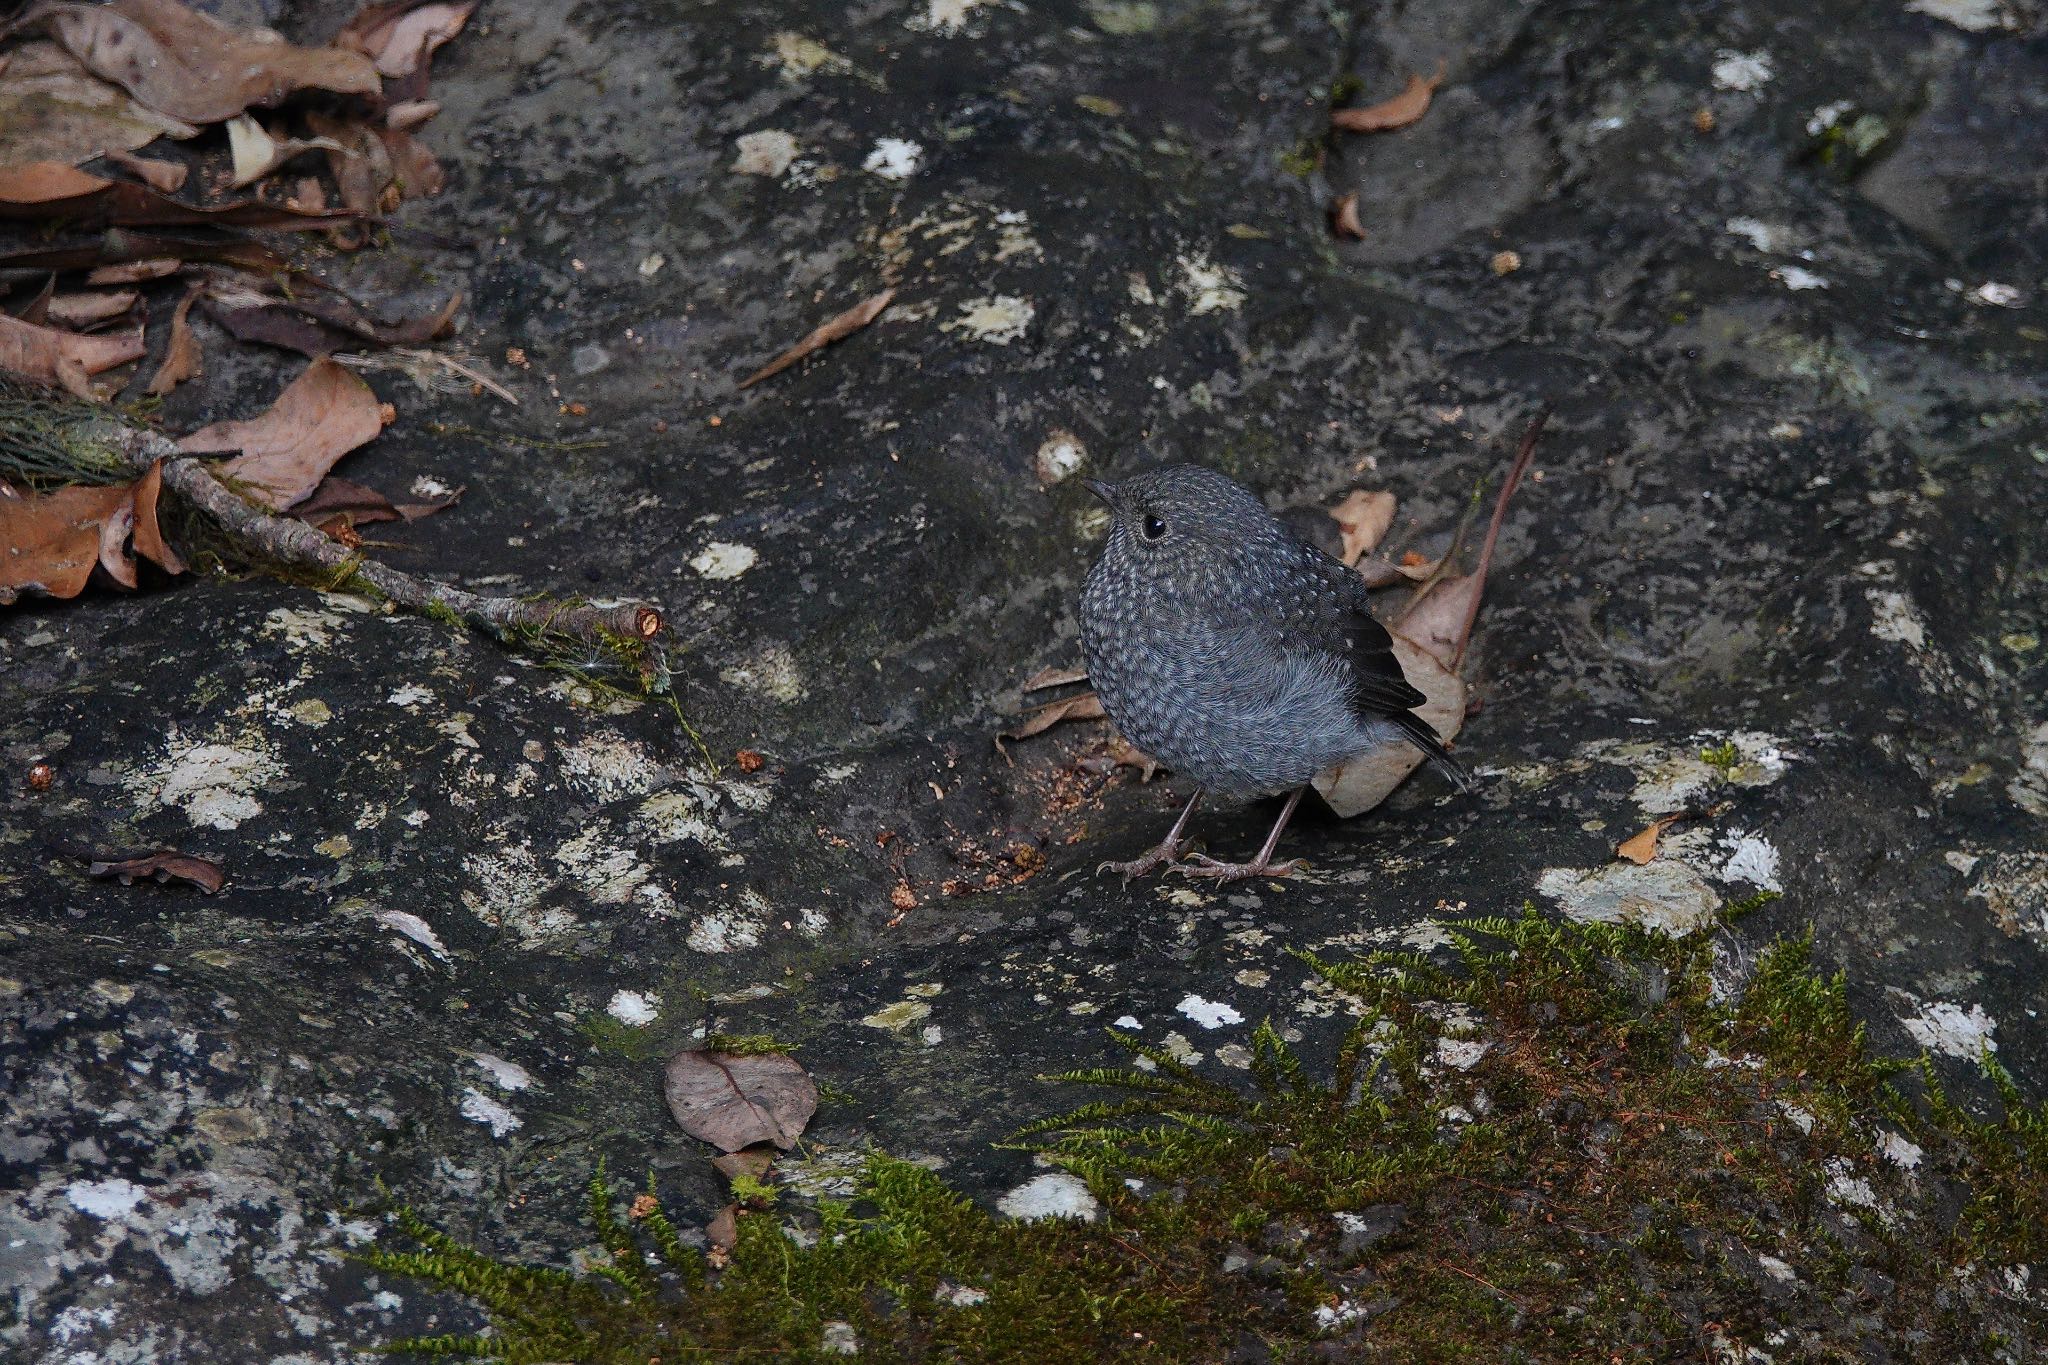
column 53, row 109
column 1641, row 848
column 407, row 116
column 119, row 246
column 36, row 312
column 1086, row 706
column 1054, row 677
column 1358, row 784
column 321, row 416
column 721, row 1233
column 181, row 354
column 338, row 506
column 46, row 190
column 845, row 325
column 51, row 543
column 1362, row 521
column 165, row 177
column 136, row 272
column 400, row 36
column 163, row 865
column 752, row 1162
column 1436, row 621
column 318, row 324
column 79, row 311
column 255, row 153
column 192, row 67
column 414, row 171
column 733, row 1101
column 1344, row 217
column 43, row 353
column 1400, row 111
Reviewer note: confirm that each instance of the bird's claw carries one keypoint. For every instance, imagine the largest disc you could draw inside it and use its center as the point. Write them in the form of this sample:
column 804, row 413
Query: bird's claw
column 1164, row 855
column 1201, row 865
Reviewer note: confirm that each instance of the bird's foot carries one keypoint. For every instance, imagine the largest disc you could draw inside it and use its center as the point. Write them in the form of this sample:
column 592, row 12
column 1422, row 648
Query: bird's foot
column 1201, row 865
column 1167, row 854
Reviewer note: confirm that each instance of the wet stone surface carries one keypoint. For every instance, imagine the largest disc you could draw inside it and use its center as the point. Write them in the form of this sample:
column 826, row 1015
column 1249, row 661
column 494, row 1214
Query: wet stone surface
column 1789, row 510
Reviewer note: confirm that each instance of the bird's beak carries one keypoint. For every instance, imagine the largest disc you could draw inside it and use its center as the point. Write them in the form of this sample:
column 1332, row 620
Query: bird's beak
column 1105, row 491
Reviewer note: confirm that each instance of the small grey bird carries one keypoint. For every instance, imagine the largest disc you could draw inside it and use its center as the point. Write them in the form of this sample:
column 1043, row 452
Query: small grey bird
column 1235, row 653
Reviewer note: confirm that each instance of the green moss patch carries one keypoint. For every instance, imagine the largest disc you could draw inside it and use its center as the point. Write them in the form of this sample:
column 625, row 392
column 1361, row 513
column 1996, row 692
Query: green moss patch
column 1557, row 1142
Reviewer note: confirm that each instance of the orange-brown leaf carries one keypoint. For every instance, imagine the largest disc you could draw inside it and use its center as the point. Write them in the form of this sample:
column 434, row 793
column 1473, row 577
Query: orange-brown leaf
column 1641, row 848
column 42, row 353
column 1086, row 706
column 90, row 308
column 192, row 67
column 1344, row 217
column 49, row 544
column 1398, row 112
column 1362, row 521
column 181, row 354
column 399, row 36
column 165, row 177
column 845, row 325
column 164, row 865
column 321, row 416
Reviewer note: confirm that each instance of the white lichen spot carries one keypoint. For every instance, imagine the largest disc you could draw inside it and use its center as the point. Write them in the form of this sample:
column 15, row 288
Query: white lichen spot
column 1796, row 278
column 1665, row 894
column 455, row 730
column 1059, row 456
column 609, row 766
column 839, row 1339
column 1741, row 70
column 896, row 1018
column 1209, row 287
column 676, row 816
column 505, row 1075
column 1461, row 1054
column 1904, row 1154
column 1975, row 16
column 1330, row 1316
column 944, row 16
column 1995, row 295
column 959, row 1295
column 1236, row 1056
column 1777, row 1269
column 301, row 629
column 1846, row 1187
column 1126, row 1021
column 1759, row 234
column 105, row 1199
column 894, row 158
column 799, row 56
column 634, row 1009
column 1210, row 1014
column 1751, row 858
column 409, row 695
column 727, row 931
column 1253, row 977
column 604, row 871
column 1055, row 1194
column 1893, row 618
column 478, row 1107
column 998, row 320
column 771, row 670
column 508, row 880
column 767, row 152
column 1948, row 1028
column 311, row 713
column 1176, row 1046
column 932, row 1035
column 216, row 784
column 723, row 559
column 413, row 927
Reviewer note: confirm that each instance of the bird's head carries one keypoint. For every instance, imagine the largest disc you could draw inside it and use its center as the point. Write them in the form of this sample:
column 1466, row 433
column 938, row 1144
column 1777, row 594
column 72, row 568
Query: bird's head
column 1181, row 522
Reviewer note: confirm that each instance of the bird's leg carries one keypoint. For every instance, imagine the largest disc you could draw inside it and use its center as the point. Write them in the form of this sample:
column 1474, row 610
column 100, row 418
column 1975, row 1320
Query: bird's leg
column 1169, row 851
column 1262, row 866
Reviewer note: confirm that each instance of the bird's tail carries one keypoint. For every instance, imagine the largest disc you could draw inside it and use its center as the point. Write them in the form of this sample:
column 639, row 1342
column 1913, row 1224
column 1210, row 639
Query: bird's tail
column 1426, row 739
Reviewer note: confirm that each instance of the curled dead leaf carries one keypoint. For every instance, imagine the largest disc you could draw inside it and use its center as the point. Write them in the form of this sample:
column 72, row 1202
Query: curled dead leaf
column 1362, row 521
column 165, row 177
column 1641, row 848
column 51, row 543
column 400, row 36
column 734, row 1101
column 181, row 353
column 46, row 190
column 44, row 353
column 89, row 309
column 1398, row 112
column 255, row 153
column 1344, row 217
column 752, row 1162
column 164, row 865
column 1054, row 677
column 53, row 109
column 1358, row 784
column 1085, row 706
column 321, row 416
column 191, row 67
column 844, row 325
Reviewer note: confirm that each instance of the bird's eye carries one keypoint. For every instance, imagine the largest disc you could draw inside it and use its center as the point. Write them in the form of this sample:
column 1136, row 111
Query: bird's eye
column 1152, row 528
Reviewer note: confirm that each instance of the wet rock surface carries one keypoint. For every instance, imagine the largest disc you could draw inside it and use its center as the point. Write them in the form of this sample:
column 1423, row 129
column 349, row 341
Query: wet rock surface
column 1788, row 513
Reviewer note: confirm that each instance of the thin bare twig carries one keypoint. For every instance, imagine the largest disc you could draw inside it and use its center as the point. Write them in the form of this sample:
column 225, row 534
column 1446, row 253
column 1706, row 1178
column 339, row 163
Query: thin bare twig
column 289, row 541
